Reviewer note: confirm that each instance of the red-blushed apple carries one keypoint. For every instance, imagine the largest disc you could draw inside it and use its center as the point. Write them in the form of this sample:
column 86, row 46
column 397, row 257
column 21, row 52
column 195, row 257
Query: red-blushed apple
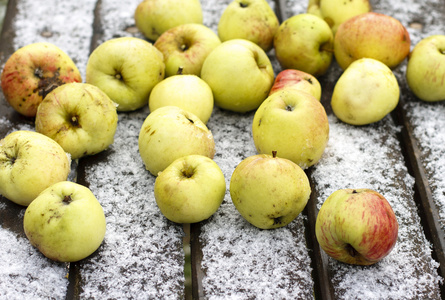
column 186, row 46
column 296, row 79
column 253, row 20
column 371, row 35
column 269, row 191
column 356, row 226
column 425, row 72
column 33, row 71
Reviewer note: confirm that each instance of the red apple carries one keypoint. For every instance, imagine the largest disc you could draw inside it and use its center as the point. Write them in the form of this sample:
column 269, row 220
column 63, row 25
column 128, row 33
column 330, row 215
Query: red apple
column 371, row 35
column 32, row 72
column 299, row 80
column 356, row 226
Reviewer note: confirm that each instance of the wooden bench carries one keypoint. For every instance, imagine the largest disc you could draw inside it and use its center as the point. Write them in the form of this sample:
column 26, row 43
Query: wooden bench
column 144, row 256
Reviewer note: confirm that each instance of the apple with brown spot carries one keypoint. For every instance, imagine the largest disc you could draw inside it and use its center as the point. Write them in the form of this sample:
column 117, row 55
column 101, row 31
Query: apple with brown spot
column 32, row 72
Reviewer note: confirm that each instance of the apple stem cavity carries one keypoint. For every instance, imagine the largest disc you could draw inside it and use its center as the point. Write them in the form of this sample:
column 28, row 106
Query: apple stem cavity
column 67, row 199
column 351, row 250
column 243, row 4
column 289, row 107
column 75, row 121
column 188, row 171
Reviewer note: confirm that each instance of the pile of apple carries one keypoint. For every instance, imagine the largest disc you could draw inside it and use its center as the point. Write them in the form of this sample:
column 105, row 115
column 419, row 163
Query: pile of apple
column 181, row 73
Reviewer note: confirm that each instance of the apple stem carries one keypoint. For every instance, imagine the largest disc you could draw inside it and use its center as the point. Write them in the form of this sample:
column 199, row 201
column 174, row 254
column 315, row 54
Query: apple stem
column 180, row 70
column 274, row 154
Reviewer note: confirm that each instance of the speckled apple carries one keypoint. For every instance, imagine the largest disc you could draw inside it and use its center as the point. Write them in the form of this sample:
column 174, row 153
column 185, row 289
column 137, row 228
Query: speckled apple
column 33, row 71
column 169, row 133
column 29, row 163
column 80, row 117
column 293, row 123
column 66, row 222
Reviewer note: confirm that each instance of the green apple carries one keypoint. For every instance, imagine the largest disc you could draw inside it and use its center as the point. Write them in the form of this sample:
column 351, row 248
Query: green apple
column 240, row 75
column 186, row 46
column 78, row 116
column 304, row 42
column 426, row 69
column 269, row 191
column 154, row 17
column 126, row 69
column 293, row 123
column 371, row 35
column 188, row 92
column 32, row 72
column 335, row 12
column 356, row 226
column 190, row 189
column 365, row 93
column 65, row 222
column 253, row 20
column 29, row 163
column 296, row 79
column 169, row 133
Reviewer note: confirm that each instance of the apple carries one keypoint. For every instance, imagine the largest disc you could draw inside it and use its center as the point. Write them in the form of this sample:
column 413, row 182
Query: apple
column 126, row 69
column 240, row 75
column 190, row 189
column 269, row 191
column 188, row 92
column 356, row 226
column 186, row 46
column 154, row 17
column 78, row 116
column 371, row 35
column 335, row 12
column 253, row 20
column 33, row 71
column 65, row 222
column 293, row 123
column 169, row 133
column 304, row 42
column 365, row 93
column 296, row 79
column 29, row 163
column 425, row 70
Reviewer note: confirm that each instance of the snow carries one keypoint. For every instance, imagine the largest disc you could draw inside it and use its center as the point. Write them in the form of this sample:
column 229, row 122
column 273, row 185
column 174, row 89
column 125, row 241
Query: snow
column 142, row 250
